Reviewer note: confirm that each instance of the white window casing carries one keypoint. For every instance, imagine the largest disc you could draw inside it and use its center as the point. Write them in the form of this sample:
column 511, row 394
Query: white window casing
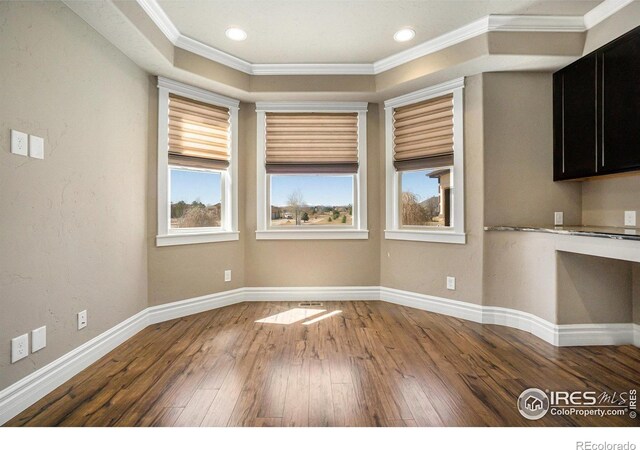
column 359, row 228
column 228, row 230
column 393, row 230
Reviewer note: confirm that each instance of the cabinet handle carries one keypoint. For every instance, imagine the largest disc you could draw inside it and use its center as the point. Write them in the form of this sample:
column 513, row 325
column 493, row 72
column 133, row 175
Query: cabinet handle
column 563, row 171
column 602, row 115
column 595, row 119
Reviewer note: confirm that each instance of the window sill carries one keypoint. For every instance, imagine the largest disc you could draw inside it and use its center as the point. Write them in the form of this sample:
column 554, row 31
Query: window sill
column 196, row 238
column 311, row 234
column 448, row 237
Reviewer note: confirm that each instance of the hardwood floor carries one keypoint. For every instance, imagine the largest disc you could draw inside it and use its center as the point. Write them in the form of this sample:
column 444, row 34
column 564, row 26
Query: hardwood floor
column 373, row 364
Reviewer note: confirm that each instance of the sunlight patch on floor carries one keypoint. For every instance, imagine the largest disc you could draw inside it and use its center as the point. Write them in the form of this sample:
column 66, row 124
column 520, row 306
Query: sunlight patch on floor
column 291, row 316
column 322, row 317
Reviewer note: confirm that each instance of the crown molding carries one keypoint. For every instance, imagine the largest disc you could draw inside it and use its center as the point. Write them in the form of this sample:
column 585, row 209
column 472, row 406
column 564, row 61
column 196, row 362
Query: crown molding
column 503, row 23
column 603, row 11
column 206, row 51
column 312, row 69
column 536, row 24
column 160, row 18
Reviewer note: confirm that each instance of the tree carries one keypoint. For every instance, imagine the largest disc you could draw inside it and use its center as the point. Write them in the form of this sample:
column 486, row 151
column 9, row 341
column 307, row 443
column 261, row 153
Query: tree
column 296, row 203
column 335, row 214
column 344, row 219
column 305, row 217
column 431, row 207
column 412, row 212
column 350, row 207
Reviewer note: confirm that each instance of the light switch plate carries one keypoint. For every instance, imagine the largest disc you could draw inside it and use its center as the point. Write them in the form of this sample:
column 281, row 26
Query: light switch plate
column 82, row 319
column 19, row 348
column 38, row 339
column 227, row 275
column 451, row 283
column 558, row 218
column 629, row 218
column 36, row 147
column 19, row 144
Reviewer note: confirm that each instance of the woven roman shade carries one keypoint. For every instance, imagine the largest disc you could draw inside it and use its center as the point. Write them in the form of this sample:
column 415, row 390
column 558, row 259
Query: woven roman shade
column 198, row 134
column 423, row 134
column 311, row 142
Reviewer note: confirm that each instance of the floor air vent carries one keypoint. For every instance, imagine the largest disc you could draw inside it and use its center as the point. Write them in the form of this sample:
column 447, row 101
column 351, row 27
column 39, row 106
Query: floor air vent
column 310, row 304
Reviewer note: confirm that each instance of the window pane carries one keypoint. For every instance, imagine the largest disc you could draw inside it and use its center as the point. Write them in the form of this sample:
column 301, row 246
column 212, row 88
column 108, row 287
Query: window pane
column 426, row 198
column 195, row 198
column 308, row 200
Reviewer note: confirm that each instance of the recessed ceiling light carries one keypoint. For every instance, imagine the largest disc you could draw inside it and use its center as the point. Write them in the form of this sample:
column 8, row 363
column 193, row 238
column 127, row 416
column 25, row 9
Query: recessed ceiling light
column 236, row 34
column 404, row 35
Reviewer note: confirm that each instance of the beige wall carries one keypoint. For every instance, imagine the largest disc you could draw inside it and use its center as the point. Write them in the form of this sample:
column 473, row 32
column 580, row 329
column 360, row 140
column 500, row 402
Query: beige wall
column 186, row 271
column 519, row 272
column 604, row 201
column 635, row 292
column 72, row 224
column 313, row 263
column 423, row 266
column 593, row 290
column 518, row 153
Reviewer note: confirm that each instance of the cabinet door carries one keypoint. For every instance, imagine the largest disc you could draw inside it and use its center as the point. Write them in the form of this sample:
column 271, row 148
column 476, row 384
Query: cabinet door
column 576, row 117
column 620, row 99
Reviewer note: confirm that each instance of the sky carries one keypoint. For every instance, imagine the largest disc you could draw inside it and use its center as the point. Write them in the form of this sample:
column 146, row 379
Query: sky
column 328, row 190
column 190, row 185
column 420, row 184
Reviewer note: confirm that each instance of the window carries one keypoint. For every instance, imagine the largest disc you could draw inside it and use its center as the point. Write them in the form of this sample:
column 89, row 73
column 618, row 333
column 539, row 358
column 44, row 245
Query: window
column 311, row 171
column 197, row 148
column 425, row 165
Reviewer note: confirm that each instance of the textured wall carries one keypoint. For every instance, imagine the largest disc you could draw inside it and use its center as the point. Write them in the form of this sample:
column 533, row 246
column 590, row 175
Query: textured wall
column 72, row 224
column 518, row 153
column 423, row 266
column 311, row 262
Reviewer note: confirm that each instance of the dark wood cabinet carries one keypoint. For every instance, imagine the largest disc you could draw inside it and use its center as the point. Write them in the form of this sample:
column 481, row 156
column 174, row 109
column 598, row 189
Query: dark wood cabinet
column 596, row 112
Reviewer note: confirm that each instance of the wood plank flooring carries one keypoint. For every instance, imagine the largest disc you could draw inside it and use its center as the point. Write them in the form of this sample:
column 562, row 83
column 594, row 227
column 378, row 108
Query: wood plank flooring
column 373, row 364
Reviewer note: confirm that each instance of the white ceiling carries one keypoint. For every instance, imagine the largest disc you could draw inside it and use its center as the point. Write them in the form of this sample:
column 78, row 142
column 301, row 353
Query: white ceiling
column 338, row 31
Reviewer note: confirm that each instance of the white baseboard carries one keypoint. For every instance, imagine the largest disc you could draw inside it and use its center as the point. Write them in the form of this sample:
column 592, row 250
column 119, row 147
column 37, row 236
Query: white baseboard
column 32, row 388
column 300, row 294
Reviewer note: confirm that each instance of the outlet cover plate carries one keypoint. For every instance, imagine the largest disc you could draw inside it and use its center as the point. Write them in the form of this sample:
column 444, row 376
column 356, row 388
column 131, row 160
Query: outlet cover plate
column 36, row 147
column 19, row 144
column 451, row 283
column 82, row 319
column 558, row 218
column 629, row 218
column 227, row 275
column 19, row 348
column 38, row 339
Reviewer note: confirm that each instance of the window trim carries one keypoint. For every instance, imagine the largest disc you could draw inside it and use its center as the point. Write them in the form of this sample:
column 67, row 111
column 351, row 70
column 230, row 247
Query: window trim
column 393, row 230
column 359, row 228
column 229, row 193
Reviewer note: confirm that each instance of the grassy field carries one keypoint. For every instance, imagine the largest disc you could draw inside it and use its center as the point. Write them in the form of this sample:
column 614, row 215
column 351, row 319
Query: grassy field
column 317, row 219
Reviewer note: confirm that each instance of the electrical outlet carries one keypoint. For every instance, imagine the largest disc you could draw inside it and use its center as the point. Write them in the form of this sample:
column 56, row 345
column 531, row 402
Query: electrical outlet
column 227, row 275
column 19, row 144
column 629, row 218
column 451, row 283
column 558, row 218
column 36, row 147
column 82, row 319
column 38, row 339
column 19, row 348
